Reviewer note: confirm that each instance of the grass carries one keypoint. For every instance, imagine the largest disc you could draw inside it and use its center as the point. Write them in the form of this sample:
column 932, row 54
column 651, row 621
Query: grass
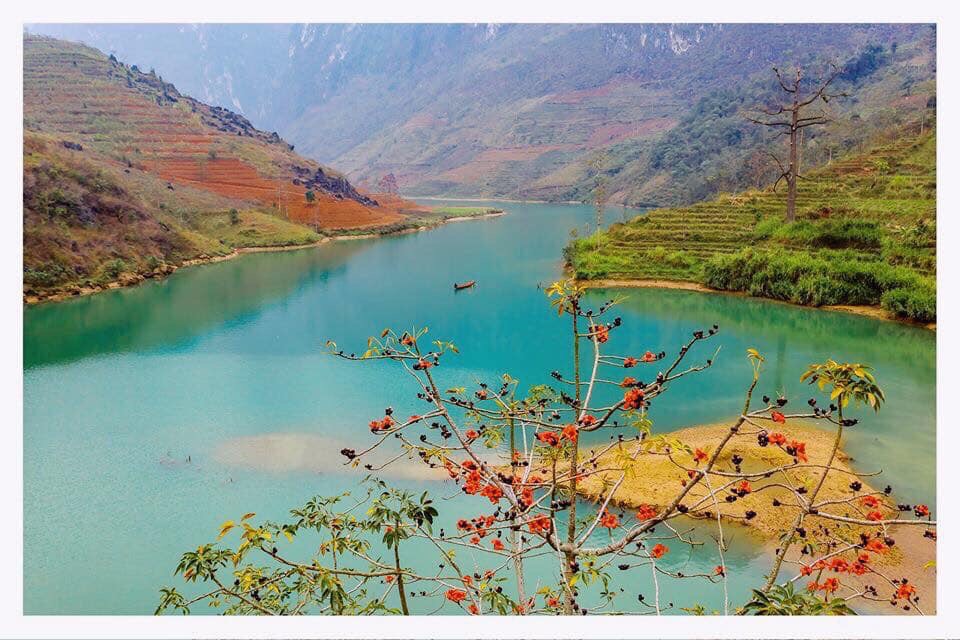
column 255, row 229
column 465, row 212
column 869, row 217
column 654, row 480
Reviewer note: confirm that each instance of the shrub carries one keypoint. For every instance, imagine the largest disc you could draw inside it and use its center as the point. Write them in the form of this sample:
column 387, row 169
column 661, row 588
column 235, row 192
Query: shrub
column 46, row 275
column 114, row 268
column 918, row 303
column 809, row 279
column 234, row 216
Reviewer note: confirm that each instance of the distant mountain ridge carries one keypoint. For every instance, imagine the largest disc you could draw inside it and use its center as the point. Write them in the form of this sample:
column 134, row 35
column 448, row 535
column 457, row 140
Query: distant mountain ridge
column 504, row 110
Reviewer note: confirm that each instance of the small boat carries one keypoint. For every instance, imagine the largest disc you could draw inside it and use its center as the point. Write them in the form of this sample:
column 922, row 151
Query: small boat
column 457, row 286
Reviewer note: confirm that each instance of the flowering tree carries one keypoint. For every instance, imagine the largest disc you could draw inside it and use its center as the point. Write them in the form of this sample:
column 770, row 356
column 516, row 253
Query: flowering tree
column 522, row 458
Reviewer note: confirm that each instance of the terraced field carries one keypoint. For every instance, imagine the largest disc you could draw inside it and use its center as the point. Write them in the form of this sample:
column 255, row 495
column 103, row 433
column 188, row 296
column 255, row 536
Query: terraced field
column 123, row 174
column 873, row 208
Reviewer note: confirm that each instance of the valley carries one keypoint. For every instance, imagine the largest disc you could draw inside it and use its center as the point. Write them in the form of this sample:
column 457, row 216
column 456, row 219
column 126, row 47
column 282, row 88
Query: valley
column 125, row 178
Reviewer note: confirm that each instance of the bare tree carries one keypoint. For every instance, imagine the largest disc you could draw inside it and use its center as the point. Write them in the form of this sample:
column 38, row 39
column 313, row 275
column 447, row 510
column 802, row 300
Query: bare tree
column 791, row 118
column 600, row 196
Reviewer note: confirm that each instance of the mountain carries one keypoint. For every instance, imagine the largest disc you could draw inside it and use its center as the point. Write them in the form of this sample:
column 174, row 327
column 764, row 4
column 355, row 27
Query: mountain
column 124, row 176
column 522, row 110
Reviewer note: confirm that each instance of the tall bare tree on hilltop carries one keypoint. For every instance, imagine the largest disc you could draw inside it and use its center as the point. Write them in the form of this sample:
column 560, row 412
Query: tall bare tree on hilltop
column 791, row 117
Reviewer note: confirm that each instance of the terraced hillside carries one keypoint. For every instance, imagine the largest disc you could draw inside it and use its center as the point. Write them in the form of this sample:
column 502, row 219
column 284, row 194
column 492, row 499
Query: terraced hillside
column 870, row 215
column 125, row 175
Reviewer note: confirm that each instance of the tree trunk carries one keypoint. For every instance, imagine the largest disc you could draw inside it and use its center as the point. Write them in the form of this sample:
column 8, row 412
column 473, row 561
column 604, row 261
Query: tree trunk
column 396, row 559
column 792, row 169
column 570, row 557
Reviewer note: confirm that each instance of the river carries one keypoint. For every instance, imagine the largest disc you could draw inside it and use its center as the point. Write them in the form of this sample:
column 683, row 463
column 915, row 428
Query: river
column 121, row 387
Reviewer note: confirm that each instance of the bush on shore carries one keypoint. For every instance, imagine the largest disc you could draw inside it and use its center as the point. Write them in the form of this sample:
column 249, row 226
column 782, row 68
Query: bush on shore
column 916, row 304
column 808, row 279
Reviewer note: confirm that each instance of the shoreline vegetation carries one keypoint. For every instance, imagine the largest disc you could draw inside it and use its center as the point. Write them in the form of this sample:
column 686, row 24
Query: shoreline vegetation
column 416, row 223
column 864, row 240
column 870, row 311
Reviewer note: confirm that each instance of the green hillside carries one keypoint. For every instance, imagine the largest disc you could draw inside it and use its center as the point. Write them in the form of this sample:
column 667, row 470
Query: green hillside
column 865, row 234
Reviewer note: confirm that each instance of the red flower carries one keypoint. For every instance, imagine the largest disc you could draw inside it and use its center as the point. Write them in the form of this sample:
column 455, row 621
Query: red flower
column 744, row 487
column 646, row 512
column 778, row 417
column 658, row 550
column 422, row 365
column 475, row 540
column 382, row 425
column 719, row 570
column 628, row 382
column 492, row 492
column 777, row 438
column 806, row 570
column 812, row 586
column 875, row 516
column 553, row 602
column 407, row 340
column 609, row 520
column 570, row 432
column 456, row 595
column 830, row 585
column 839, row 565
column 633, row 399
column 798, row 450
column 905, row 591
column 876, row 545
column 870, row 502
column 649, row 357
column 526, row 497
column 601, row 333
column 699, row 455
column 497, row 544
column 548, row 437
column 587, row 421
column 473, row 609
column 629, row 362
column 389, row 579
column 540, row 524
column 471, row 434
column 921, row 510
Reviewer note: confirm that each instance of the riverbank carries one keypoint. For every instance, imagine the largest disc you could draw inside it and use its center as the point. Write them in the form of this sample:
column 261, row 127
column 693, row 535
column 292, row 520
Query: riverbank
column 875, row 312
column 653, row 479
column 128, row 279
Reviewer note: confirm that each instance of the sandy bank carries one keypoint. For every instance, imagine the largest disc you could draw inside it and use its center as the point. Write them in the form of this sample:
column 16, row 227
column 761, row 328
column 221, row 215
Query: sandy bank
column 685, row 285
column 655, row 480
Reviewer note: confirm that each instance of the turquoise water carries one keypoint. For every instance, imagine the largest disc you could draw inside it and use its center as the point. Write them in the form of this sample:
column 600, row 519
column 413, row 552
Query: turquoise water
column 120, row 387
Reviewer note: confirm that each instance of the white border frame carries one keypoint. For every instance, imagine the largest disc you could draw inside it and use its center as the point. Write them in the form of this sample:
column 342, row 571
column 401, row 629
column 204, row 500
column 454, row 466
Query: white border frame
column 13, row 624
